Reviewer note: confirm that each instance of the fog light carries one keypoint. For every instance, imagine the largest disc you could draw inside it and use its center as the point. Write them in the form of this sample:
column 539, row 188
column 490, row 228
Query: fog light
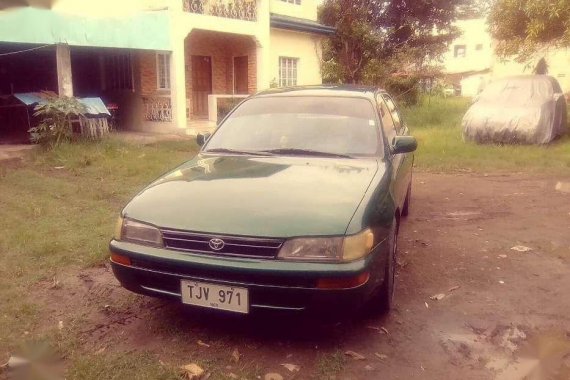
column 343, row 282
column 120, row 259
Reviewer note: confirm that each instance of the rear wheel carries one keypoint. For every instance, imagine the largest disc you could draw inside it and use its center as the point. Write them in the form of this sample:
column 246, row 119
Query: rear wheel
column 386, row 295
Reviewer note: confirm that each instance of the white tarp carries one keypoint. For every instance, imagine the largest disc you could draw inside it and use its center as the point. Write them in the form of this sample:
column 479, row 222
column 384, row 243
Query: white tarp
column 525, row 109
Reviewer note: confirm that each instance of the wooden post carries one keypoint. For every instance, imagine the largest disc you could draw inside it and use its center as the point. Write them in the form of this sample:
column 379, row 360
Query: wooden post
column 64, row 77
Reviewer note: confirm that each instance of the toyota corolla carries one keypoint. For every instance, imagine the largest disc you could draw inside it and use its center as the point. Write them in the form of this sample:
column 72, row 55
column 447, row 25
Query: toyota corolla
column 294, row 203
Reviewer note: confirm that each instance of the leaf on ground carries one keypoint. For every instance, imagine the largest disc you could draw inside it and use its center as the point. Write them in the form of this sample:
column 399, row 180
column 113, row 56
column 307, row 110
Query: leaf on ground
column 235, row 356
column 381, row 356
column 521, row 248
column 291, row 367
column 355, row 355
column 200, row 343
column 272, row 376
column 453, row 288
column 437, row 297
column 192, row 371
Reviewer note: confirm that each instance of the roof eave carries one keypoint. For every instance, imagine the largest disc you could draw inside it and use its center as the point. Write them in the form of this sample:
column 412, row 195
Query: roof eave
column 299, row 26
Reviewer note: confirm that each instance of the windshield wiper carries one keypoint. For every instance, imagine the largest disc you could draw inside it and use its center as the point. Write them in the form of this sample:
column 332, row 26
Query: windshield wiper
column 305, row 152
column 235, row 151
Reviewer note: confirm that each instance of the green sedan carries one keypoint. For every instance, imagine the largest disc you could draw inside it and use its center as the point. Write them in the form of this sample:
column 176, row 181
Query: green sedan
column 293, row 204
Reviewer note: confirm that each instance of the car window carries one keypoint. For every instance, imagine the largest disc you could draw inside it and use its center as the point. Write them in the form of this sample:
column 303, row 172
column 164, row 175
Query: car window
column 387, row 121
column 335, row 125
column 395, row 113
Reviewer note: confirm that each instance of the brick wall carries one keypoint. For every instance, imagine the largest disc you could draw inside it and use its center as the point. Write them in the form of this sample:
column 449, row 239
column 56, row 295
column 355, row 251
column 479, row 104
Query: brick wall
column 222, row 48
column 147, row 69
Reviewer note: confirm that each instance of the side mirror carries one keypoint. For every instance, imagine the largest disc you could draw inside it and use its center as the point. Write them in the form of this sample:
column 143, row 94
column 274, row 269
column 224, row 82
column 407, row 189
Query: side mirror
column 404, row 144
column 202, row 138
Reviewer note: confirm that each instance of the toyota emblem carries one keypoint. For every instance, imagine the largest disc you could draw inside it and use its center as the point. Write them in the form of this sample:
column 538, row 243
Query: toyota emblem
column 216, row 244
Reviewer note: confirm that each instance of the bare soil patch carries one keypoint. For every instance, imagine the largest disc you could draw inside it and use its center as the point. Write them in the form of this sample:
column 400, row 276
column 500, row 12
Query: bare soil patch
column 504, row 313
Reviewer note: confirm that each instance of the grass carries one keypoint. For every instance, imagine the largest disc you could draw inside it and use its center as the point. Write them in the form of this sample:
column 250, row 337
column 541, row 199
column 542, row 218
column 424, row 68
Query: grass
column 58, row 212
column 59, row 208
column 329, row 365
column 436, row 123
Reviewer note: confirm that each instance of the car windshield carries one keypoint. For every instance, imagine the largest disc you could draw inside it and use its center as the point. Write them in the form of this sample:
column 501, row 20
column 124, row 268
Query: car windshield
column 300, row 125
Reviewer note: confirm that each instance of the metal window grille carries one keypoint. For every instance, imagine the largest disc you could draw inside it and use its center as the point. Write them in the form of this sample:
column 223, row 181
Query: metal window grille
column 163, row 71
column 118, row 71
column 288, row 71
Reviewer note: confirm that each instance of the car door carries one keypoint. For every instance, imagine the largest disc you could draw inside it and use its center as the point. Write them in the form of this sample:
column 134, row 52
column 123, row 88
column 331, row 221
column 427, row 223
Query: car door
column 390, row 132
column 403, row 162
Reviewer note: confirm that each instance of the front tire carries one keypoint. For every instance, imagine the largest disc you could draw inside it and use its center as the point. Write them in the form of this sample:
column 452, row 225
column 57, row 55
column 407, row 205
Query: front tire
column 385, row 299
column 406, row 207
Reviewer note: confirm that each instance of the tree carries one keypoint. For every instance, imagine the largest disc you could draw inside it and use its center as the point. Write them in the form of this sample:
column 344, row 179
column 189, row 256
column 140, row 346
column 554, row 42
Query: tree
column 525, row 27
column 376, row 38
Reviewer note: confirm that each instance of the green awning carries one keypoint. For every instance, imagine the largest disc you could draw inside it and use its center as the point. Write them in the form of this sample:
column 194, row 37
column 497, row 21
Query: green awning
column 141, row 30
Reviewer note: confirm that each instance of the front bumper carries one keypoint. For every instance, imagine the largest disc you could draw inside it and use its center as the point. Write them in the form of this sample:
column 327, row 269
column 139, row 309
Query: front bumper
column 272, row 284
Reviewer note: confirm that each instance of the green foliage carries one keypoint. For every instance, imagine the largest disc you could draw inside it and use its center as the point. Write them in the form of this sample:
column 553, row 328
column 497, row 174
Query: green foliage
column 376, row 38
column 405, row 89
column 524, row 27
column 56, row 114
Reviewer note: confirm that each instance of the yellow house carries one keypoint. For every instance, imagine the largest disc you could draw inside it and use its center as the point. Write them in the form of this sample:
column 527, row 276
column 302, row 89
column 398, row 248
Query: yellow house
column 165, row 63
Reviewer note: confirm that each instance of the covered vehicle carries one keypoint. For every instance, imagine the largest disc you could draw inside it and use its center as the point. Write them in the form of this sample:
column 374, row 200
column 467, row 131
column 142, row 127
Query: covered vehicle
column 524, row 109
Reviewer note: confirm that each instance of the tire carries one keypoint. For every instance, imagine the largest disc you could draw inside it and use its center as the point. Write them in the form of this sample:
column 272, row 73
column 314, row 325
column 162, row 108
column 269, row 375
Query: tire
column 406, row 207
column 385, row 298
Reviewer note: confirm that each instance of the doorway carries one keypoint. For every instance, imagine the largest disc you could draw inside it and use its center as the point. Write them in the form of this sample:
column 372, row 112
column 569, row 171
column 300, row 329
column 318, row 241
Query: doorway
column 240, row 75
column 201, row 84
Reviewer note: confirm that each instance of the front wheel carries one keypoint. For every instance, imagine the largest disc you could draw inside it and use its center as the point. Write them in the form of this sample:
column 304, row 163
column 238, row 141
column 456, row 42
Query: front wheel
column 406, row 207
column 385, row 298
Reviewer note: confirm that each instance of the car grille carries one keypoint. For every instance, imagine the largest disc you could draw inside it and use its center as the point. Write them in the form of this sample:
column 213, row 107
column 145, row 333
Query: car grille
column 232, row 245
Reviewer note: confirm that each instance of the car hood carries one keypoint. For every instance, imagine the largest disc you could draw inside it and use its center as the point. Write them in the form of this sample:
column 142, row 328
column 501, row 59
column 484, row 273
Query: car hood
column 257, row 196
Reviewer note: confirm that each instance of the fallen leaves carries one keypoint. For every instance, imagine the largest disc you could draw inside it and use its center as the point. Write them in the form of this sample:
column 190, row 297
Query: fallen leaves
column 355, row 355
column 200, row 343
column 291, row 367
column 437, row 297
column 272, row 376
column 236, row 356
column 381, row 356
column 192, row 371
column 521, row 248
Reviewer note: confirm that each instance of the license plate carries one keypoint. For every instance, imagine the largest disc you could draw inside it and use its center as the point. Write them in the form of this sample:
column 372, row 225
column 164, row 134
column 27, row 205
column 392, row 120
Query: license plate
column 214, row 296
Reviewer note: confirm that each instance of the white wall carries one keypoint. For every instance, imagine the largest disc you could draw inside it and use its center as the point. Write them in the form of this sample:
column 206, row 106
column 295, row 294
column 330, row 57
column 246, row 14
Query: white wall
column 304, row 46
column 473, row 32
column 307, row 9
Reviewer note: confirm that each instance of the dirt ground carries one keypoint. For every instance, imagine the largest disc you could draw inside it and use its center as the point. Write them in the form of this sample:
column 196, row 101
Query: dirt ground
column 505, row 314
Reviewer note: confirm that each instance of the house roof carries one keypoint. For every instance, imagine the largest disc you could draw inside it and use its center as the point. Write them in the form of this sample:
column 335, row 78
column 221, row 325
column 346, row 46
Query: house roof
column 300, row 25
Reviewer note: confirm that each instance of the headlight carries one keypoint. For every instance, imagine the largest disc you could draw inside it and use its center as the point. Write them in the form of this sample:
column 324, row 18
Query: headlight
column 141, row 233
column 333, row 249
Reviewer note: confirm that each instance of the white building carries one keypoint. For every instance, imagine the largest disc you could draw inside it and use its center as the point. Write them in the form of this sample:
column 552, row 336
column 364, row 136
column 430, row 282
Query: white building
column 165, row 62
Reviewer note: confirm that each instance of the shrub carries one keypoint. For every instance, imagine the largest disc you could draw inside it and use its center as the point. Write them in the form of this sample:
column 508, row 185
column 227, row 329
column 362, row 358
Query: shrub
column 56, row 114
column 405, row 89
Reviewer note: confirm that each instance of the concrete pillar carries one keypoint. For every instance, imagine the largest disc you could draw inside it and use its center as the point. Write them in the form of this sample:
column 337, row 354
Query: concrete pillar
column 64, row 77
column 262, row 39
column 178, row 83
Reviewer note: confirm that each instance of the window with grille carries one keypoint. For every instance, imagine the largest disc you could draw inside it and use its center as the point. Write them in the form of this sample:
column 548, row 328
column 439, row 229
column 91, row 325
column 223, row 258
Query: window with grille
column 163, row 71
column 117, row 71
column 297, row 2
column 288, row 71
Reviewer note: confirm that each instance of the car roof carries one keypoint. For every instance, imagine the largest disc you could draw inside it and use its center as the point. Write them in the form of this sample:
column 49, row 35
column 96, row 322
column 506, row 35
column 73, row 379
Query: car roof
column 340, row 90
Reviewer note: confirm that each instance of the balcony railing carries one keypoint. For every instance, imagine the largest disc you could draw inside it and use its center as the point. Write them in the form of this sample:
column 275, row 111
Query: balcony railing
column 236, row 9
